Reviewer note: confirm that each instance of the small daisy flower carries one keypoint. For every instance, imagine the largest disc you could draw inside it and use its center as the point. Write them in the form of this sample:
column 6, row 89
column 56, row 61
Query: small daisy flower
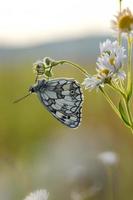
column 109, row 65
column 111, row 60
column 93, row 82
column 98, row 80
column 38, row 195
column 111, row 47
column 123, row 22
column 108, row 46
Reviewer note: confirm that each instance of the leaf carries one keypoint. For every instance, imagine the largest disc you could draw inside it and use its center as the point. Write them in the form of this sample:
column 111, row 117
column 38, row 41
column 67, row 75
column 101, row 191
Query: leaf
column 123, row 114
column 129, row 92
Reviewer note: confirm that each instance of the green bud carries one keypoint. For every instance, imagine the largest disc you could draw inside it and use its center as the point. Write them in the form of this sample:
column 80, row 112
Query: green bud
column 48, row 73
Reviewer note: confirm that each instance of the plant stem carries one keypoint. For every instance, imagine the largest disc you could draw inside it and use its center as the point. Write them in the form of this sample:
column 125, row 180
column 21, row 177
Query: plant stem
column 128, row 113
column 120, row 5
column 117, row 89
column 110, row 194
column 75, row 65
column 110, row 102
column 129, row 82
column 131, row 128
column 116, row 110
column 119, row 39
column 126, row 105
column 119, row 35
column 129, row 75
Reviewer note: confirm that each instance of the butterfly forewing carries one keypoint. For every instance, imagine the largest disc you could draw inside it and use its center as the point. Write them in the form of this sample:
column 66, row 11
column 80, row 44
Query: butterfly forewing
column 63, row 98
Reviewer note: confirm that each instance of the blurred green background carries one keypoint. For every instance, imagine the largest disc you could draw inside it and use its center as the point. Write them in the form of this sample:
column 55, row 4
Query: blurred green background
column 36, row 151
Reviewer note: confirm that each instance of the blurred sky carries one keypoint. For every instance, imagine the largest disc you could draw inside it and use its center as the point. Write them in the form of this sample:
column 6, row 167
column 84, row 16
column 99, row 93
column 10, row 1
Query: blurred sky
column 27, row 22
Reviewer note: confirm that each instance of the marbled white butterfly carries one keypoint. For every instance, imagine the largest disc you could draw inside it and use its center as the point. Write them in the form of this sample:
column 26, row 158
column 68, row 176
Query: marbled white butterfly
column 63, row 99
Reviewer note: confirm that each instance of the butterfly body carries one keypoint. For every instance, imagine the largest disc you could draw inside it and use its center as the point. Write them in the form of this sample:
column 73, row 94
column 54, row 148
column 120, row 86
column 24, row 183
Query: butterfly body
column 63, row 99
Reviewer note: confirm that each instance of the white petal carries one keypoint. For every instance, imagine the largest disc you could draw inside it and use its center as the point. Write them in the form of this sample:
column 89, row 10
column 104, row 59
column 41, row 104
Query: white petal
column 121, row 75
column 92, row 82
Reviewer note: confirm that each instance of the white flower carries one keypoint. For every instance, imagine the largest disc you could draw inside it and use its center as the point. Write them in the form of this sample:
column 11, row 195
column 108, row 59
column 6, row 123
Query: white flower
column 93, row 82
column 108, row 158
column 124, row 22
column 111, row 59
column 112, row 64
column 112, row 48
column 38, row 195
column 108, row 46
column 109, row 65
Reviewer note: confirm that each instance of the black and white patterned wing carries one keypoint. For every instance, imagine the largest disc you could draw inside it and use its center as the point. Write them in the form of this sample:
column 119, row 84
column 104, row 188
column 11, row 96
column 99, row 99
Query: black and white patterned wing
column 63, row 98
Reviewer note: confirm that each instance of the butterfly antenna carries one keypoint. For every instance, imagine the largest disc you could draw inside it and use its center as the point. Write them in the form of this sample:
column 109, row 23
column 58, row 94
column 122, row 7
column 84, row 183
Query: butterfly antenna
column 20, row 99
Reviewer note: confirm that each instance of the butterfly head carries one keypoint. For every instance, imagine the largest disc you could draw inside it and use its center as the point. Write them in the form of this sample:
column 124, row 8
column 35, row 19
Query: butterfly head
column 40, row 84
column 32, row 89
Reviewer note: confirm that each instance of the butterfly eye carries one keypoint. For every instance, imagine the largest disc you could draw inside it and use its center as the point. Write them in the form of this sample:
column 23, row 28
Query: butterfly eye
column 31, row 89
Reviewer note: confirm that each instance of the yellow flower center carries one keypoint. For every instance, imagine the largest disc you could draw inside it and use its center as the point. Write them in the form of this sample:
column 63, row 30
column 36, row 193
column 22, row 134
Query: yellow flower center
column 104, row 72
column 112, row 61
column 125, row 23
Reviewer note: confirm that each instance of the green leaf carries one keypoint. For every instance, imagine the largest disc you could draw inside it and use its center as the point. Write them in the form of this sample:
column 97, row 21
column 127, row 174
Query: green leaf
column 123, row 114
column 129, row 92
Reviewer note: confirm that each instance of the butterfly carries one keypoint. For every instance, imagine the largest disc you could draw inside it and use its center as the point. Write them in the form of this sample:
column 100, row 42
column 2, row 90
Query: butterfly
column 63, row 98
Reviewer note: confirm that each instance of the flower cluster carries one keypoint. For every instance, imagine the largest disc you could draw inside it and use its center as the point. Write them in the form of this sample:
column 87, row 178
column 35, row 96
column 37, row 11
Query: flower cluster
column 44, row 67
column 109, row 65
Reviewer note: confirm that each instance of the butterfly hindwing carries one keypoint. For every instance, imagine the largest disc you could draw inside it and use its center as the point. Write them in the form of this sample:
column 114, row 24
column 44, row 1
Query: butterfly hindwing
column 63, row 98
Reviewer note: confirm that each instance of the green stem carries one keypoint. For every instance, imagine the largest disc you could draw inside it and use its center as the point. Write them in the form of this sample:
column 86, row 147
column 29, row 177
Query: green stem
column 110, row 102
column 75, row 65
column 119, row 35
column 131, row 130
column 126, row 105
column 128, row 112
column 117, row 89
column 129, row 82
column 122, row 87
column 120, row 5
column 110, row 193
column 129, row 75
column 119, row 39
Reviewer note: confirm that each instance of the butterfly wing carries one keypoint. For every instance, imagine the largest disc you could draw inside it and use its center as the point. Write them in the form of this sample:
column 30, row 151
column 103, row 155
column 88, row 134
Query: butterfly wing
column 63, row 98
